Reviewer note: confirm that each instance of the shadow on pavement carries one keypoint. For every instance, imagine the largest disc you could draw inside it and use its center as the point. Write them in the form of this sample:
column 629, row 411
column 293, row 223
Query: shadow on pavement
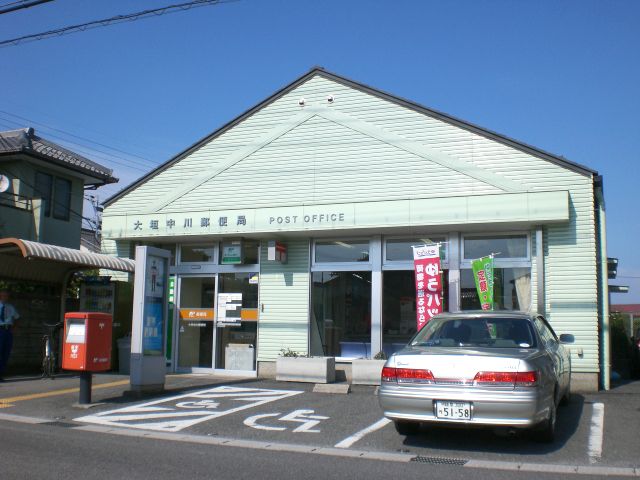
column 487, row 440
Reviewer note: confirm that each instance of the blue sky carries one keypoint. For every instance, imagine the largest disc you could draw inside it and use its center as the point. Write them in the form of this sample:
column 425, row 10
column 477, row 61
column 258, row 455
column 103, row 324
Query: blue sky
column 561, row 75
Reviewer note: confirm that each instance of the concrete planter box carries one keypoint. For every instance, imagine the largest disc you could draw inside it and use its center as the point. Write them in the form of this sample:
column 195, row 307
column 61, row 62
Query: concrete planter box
column 306, row 369
column 366, row 372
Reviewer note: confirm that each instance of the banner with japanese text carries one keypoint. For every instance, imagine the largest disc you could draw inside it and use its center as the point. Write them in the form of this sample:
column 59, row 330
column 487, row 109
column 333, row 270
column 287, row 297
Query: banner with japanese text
column 483, row 275
column 426, row 262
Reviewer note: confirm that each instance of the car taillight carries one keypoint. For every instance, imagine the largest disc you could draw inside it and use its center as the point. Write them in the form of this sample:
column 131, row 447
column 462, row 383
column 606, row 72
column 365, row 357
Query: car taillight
column 526, row 379
column 519, row 379
column 406, row 375
column 389, row 374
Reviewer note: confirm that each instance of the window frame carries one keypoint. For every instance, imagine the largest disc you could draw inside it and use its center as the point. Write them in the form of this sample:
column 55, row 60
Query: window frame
column 512, row 262
column 216, row 253
column 341, row 266
column 57, row 201
column 408, row 264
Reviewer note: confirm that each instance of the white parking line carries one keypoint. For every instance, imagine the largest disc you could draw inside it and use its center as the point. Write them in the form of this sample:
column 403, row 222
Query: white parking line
column 347, row 442
column 596, row 433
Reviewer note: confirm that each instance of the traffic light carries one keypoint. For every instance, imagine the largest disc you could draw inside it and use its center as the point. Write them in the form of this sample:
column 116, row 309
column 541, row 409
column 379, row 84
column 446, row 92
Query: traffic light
column 612, row 268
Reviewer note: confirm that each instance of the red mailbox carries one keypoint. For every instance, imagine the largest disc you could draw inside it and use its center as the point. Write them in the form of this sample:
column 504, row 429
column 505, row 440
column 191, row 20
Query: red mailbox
column 87, row 341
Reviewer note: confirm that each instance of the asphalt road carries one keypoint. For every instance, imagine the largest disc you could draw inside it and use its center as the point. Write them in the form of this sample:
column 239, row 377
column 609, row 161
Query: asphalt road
column 54, row 452
column 223, row 428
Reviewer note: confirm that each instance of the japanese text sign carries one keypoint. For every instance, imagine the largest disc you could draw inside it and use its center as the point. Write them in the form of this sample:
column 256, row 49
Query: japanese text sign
column 483, row 275
column 426, row 262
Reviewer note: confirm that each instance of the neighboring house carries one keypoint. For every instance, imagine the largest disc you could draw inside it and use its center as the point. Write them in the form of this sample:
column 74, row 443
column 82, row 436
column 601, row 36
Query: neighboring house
column 46, row 188
column 347, row 178
column 89, row 240
column 40, row 232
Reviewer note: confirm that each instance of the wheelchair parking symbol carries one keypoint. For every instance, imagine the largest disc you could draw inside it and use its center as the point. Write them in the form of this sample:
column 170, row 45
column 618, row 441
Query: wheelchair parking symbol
column 305, row 418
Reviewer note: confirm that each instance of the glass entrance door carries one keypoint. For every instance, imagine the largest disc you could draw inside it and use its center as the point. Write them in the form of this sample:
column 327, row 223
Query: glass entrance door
column 196, row 317
column 237, row 321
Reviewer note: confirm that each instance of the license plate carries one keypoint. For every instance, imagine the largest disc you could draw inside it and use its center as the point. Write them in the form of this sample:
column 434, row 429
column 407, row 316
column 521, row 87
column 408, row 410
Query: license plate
column 453, row 410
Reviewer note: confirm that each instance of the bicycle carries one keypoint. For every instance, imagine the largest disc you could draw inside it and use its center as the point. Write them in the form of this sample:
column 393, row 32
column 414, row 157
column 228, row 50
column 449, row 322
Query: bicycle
column 49, row 353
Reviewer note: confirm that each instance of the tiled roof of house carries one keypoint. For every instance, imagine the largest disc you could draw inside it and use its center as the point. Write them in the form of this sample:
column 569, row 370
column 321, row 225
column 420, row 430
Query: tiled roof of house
column 26, row 141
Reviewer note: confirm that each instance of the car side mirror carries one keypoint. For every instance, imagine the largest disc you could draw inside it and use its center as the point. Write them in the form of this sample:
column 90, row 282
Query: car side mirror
column 567, row 338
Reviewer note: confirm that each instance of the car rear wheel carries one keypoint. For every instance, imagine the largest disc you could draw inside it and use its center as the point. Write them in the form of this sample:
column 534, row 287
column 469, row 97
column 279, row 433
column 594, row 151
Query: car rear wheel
column 546, row 432
column 406, row 428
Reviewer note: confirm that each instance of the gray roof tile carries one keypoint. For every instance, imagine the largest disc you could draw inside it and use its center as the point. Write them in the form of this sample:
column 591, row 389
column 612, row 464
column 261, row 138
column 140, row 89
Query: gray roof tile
column 25, row 140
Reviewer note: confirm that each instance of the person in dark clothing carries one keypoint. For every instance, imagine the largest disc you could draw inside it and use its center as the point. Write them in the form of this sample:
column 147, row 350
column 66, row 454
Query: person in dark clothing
column 8, row 318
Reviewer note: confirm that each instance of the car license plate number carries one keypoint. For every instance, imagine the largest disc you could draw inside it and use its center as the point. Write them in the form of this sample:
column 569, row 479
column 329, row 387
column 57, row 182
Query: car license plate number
column 453, row 410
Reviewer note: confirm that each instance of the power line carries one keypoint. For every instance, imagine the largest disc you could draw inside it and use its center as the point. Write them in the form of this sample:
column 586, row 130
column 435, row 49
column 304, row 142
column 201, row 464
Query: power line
column 154, row 164
column 13, row 6
column 111, row 21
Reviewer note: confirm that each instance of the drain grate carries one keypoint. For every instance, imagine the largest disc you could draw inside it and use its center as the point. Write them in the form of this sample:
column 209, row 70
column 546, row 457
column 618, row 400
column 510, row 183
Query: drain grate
column 57, row 423
column 439, row 460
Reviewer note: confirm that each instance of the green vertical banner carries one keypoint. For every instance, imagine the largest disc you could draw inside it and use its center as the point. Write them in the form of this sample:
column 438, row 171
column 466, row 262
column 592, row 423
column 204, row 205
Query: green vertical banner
column 483, row 275
column 172, row 303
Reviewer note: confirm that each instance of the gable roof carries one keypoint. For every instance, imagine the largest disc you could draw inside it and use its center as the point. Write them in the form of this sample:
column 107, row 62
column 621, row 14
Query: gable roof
column 26, row 141
column 534, row 151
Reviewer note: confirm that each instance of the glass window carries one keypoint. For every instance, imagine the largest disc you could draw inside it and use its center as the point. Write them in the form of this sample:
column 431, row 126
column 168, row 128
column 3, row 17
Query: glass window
column 202, row 253
column 398, row 249
column 477, row 332
column 341, row 315
column 250, row 253
column 399, row 308
column 342, row 251
column 512, row 289
column 502, row 246
column 62, row 199
column 546, row 334
column 245, row 283
column 43, row 189
column 239, row 252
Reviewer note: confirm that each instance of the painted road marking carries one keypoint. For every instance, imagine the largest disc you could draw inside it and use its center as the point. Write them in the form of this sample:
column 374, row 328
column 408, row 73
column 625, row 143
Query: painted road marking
column 347, row 442
column 305, row 417
column 8, row 402
column 596, row 433
column 252, row 422
column 176, row 413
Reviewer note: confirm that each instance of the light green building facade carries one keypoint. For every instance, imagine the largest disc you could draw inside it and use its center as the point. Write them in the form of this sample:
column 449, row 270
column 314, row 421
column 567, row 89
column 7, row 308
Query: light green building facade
column 347, row 178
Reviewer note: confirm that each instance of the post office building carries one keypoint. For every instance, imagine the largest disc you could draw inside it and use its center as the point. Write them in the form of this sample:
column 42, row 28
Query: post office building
column 291, row 228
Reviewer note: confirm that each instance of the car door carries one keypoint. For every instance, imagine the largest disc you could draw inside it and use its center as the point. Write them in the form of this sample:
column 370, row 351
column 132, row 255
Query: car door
column 554, row 350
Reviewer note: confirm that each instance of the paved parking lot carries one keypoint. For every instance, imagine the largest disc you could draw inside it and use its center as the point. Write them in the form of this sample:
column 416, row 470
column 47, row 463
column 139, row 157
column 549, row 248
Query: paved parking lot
column 291, row 413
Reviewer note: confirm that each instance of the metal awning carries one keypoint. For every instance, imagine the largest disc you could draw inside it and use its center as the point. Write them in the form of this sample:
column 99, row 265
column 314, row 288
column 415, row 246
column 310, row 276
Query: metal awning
column 40, row 262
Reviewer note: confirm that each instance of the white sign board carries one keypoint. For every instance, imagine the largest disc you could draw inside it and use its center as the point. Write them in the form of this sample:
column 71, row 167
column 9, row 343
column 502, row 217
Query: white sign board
column 229, row 308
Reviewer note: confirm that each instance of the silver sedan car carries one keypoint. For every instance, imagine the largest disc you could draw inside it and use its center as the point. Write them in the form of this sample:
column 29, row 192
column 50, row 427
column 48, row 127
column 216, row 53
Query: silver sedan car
column 498, row 369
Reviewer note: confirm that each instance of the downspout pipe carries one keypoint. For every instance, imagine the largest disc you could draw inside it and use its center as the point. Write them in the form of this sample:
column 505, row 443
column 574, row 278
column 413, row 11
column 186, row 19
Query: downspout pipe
column 605, row 340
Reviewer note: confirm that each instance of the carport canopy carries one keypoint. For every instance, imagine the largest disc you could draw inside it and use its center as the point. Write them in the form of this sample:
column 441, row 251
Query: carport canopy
column 40, row 262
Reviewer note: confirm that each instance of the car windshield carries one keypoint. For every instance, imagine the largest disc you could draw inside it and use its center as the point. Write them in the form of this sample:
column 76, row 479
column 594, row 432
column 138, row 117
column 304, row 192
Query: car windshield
column 476, row 332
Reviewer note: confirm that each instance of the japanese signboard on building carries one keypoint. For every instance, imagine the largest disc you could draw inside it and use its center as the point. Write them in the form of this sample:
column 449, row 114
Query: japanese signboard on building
column 426, row 261
column 483, row 275
column 232, row 252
